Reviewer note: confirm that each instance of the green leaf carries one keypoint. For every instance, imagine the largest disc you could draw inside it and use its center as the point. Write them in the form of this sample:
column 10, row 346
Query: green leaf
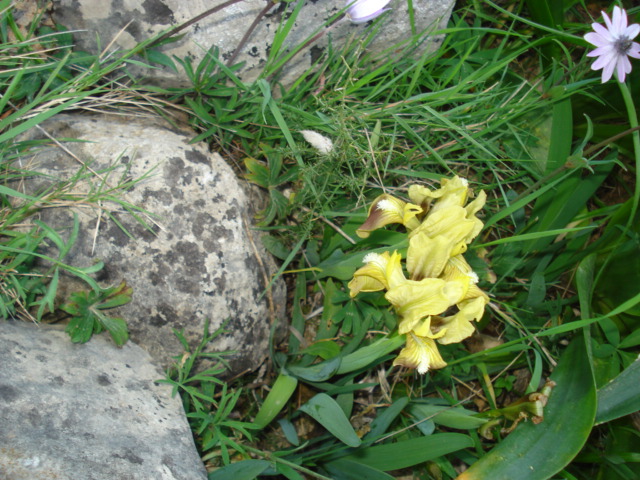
column 326, row 411
column 258, row 173
column 342, row 469
column 115, row 296
column 278, row 397
column 631, row 340
column 318, row 372
column 155, row 56
column 384, row 419
column 325, row 349
column 50, row 296
column 394, row 456
column 456, row 417
column 80, row 329
column 275, row 246
column 621, row 396
column 244, row 470
column 533, row 452
column 117, row 327
column 369, row 354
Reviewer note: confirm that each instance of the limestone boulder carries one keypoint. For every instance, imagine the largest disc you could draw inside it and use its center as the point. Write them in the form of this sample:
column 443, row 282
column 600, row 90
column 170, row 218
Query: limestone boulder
column 107, row 20
column 189, row 252
column 87, row 411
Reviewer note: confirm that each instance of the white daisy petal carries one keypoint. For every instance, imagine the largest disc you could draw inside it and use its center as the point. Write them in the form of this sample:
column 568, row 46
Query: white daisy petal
column 600, row 51
column 603, row 32
column 632, row 31
column 607, row 20
column 613, row 45
column 603, row 61
column 596, row 39
column 607, row 71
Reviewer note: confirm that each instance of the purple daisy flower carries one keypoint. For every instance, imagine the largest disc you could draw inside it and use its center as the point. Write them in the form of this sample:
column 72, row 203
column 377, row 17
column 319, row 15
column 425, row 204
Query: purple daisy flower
column 614, row 44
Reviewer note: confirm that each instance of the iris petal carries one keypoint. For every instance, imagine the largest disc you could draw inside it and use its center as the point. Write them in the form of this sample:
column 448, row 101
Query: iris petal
column 386, row 210
column 420, row 353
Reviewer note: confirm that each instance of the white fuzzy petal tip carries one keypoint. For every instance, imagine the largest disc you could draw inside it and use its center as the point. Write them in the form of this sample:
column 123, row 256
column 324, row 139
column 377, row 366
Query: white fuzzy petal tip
column 322, row 144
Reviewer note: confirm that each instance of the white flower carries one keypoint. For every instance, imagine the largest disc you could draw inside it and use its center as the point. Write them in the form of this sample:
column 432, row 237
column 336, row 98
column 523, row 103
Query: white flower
column 614, row 45
column 361, row 11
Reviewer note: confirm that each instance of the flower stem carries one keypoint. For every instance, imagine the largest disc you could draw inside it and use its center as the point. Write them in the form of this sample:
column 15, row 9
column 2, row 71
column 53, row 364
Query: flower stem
column 633, row 123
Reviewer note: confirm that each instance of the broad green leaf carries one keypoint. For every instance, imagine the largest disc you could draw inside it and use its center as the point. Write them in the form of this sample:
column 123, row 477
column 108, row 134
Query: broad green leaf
column 452, row 417
column 289, row 431
column 393, row 456
column 80, row 329
column 325, row 349
column 584, row 284
column 369, row 354
column 621, row 396
column 631, row 340
column 278, row 397
column 288, row 472
column 117, row 327
column 537, row 452
column 326, row 411
column 275, row 246
column 558, row 207
column 318, row 372
column 624, row 263
column 244, row 470
column 546, row 12
column 384, row 419
column 342, row 469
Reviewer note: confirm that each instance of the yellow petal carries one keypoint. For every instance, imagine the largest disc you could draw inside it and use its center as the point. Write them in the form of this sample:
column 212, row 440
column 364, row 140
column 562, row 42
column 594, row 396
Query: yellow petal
column 386, row 210
column 382, row 271
column 457, row 269
column 451, row 222
column 427, row 257
column 415, row 300
column 472, row 209
column 420, row 353
column 458, row 327
column 423, row 329
column 454, row 191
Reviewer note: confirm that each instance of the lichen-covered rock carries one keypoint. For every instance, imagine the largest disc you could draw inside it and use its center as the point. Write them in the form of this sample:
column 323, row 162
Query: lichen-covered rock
column 224, row 29
column 87, row 411
column 196, row 259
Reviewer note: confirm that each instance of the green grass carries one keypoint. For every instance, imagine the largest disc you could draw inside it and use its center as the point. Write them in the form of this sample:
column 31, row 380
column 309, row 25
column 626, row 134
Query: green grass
column 507, row 101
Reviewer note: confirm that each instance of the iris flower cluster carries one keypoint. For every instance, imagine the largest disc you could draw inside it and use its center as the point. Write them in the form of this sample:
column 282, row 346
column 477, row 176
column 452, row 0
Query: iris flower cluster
column 439, row 298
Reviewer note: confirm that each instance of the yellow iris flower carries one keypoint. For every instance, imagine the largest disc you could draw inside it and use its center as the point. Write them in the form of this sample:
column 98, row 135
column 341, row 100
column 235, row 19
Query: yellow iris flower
column 440, row 300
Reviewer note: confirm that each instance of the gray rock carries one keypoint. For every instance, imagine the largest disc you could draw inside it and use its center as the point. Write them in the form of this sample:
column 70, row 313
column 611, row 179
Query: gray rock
column 198, row 260
column 224, row 29
column 87, row 412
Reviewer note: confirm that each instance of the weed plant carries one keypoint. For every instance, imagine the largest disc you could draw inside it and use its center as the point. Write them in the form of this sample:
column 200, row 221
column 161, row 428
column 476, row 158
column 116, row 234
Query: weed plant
column 546, row 386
